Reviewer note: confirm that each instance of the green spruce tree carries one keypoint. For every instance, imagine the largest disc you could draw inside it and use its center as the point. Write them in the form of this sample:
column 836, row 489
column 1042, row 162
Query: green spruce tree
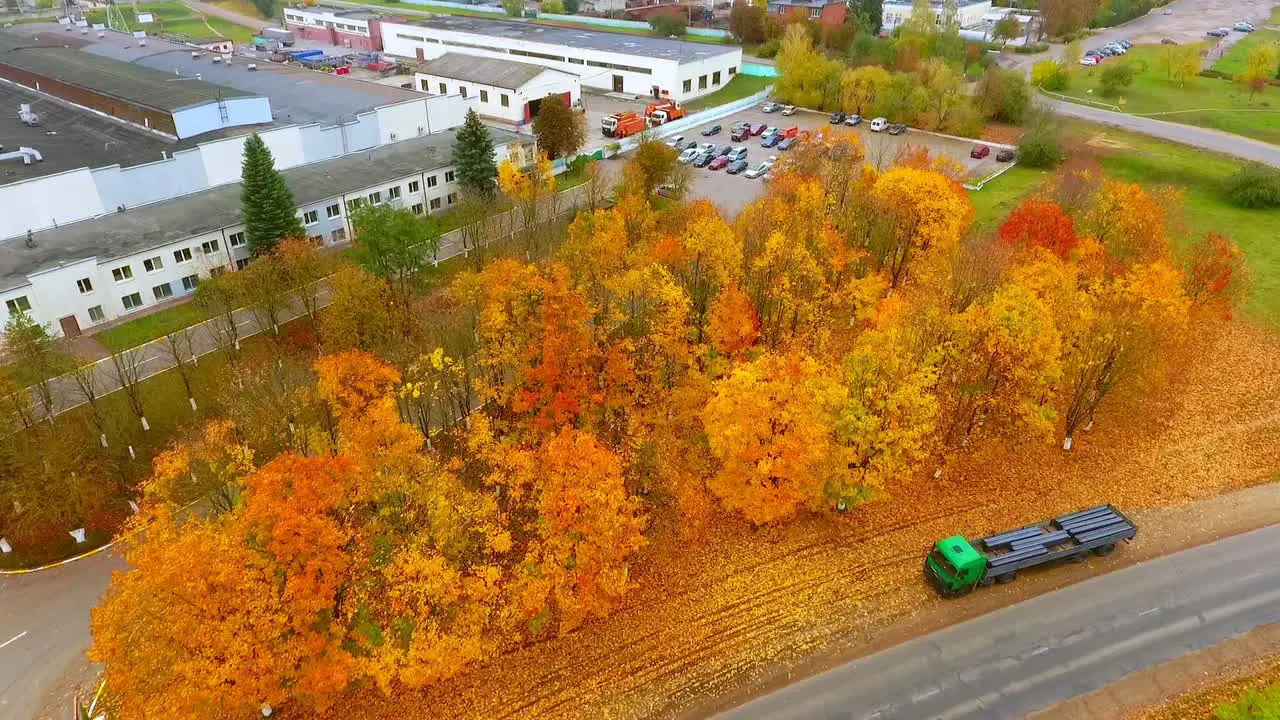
column 473, row 157
column 266, row 201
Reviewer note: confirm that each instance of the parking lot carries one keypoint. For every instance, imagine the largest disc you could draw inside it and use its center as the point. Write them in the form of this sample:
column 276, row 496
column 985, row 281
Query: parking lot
column 731, row 193
column 1187, row 21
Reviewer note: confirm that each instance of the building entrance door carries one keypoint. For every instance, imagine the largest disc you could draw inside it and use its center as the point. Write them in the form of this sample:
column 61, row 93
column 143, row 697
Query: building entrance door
column 617, row 83
column 70, row 327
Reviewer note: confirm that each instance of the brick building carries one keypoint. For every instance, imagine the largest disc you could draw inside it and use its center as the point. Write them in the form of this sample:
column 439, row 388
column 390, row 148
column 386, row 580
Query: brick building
column 827, row 12
column 355, row 29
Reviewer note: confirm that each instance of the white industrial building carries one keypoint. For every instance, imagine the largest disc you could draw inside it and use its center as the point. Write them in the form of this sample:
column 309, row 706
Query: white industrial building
column 502, row 89
column 968, row 14
column 631, row 64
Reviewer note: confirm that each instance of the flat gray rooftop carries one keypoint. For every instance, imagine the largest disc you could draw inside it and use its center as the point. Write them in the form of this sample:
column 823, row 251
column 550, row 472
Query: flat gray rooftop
column 163, row 223
column 69, row 137
column 638, row 45
column 297, row 95
column 497, row 72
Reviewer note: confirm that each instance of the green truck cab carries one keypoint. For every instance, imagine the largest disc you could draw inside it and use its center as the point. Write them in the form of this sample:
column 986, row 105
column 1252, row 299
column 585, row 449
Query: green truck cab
column 955, row 565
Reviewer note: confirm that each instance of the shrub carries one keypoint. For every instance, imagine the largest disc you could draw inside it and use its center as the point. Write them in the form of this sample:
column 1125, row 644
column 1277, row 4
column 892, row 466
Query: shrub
column 1254, row 186
column 768, row 49
column 669, row 23
column 1031, row 48
column 1115, row 77
column 1041, row 145
column 1211, row 73
column 1050, row 75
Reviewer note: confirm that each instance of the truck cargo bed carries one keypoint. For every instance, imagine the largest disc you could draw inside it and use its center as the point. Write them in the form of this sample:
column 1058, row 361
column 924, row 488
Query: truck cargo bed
column 1069, row 535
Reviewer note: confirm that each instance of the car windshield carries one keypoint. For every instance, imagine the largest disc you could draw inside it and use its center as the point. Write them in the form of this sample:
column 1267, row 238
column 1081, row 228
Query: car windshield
column 941, row 562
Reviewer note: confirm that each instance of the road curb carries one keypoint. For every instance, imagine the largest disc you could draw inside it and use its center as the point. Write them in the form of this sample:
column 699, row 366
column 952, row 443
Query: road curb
column 67, row 561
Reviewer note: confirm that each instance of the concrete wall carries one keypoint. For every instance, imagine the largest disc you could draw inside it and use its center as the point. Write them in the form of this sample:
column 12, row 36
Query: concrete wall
column 193, row 121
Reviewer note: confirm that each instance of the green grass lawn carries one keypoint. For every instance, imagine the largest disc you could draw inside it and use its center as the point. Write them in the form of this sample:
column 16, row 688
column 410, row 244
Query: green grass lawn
column 1206, row 102
column 739, row 87
column 1199, row 175
column 173, row 18
column 1233, row 61
column 149, row 327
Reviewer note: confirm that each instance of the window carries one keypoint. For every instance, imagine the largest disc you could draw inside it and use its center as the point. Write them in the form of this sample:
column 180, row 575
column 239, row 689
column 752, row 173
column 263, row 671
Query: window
column 162, row 291
column 333, row 210
column 431, row 181
column 426, row 87
column 448, row 176
column 310, row 217
column 132, row 301
column 815, row 13
column 435, row 203
column 715, row 78
column 84, row 285
column 393, row 192
column 453, row 198
column 18, row 305
column 577, row 61
column 702, row 82
column 444, row 89
column 216, row 271
column 484, row 96
column 544, row 56
column 96, row 314
column 688, row 86
column 153, row 264
column 415, row 186
column 375, row 197
column 462, row 90
column 183, row 255
column 236, row 239
column 506, row 101
column 353, row 204
column 190, row 282
column 417, row 208
column 339, row 235
column 317, row 240
column 122, row 273
column 733, row 70
column 209, row 247
column 242, row 263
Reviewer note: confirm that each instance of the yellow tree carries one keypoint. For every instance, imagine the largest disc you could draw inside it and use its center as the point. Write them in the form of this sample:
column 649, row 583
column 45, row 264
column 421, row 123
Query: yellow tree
column 860, row 86
column 805, row 76
column 921, row 211
column 533, row 193
column 1259, row 67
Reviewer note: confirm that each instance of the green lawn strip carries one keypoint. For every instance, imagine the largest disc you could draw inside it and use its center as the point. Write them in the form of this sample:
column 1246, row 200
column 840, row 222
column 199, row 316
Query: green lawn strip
column 1275, row 16
column 239, row 34
column 149, row 327
column 1233, row 61
column 1205, row 102
column 998, row 197
column 739, row 87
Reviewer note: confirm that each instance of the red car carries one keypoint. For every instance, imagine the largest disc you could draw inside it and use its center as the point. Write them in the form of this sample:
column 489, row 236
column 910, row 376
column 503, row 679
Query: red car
column 980, row 151
column 719, row 162
column 759, row 128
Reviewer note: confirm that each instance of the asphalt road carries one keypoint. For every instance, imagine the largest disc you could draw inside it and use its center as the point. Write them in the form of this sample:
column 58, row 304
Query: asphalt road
column 1032, row 655
column 44, row 630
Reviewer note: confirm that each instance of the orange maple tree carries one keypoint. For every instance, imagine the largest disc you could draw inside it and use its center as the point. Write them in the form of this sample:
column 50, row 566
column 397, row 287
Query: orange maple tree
column 1041, row 223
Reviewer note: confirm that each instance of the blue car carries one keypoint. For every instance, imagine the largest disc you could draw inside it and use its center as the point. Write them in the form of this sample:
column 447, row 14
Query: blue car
column 772, row 140
column 786, row 144
column 704, row 159
column 736, row 167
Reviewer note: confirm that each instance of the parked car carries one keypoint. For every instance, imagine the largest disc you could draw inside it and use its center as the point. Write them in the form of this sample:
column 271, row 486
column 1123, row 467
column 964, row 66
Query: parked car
column 790, row 131
column 704, row 159
column 676, row 141
column 706, row 147
column 1168, row 11
column 980, row 151
column 1126, row 44
column 688, row 156
column 711, row 130
column 770, row 107
column 690, row 143
column 758, row 128
column 1089, row 60
column 737, row 153
column 771, row 140
column 719, row 163
column 1006, row 155
column 723, row 150
column 879, row 124
column 897, row 129
column 740, row 134
column 1168, row 41
column 789, row 110
column 1117, row 49
column 836, row 118
column 759, row 170
column 736, row 167
column 1217, row 33
column 787, row 143
column 852, row 120
column 1243, row 26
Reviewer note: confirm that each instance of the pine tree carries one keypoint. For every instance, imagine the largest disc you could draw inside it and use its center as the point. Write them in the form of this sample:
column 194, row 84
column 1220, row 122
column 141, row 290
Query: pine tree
column 266, row 201
column 473, row 157
column 560, row 130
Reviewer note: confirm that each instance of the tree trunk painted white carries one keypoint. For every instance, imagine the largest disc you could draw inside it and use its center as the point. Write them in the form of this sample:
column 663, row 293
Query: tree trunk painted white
column 1066, row 444
column 132, row 456
column 133, row 506
column 193, row 404
column 5, row 547
column 1089, row 427
column 145, row 425
column 103, row 439
column 266, row 710
column 937, row 473
column 78, row 534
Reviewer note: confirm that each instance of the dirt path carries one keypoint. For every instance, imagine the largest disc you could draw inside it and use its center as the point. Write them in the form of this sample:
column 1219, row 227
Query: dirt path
column 712, row 623
column 1191, row 685
column 219, row 11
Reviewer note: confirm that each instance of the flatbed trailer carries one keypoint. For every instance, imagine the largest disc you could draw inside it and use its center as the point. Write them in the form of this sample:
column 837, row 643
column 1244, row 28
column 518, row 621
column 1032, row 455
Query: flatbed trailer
column 956, row 565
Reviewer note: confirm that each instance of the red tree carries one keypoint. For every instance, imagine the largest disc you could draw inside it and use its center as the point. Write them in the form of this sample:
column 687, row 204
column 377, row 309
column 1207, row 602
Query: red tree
column 1042, row 224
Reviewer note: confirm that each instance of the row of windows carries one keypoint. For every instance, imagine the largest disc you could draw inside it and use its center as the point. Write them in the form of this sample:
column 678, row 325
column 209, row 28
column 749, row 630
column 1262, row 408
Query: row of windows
column 125, row 272
column 504, row 99
column 132, row 301
column 529, row 53
column 702, row 81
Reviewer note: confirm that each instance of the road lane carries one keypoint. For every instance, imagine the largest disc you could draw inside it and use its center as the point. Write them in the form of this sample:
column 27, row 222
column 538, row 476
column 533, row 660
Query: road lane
column 1032, row 655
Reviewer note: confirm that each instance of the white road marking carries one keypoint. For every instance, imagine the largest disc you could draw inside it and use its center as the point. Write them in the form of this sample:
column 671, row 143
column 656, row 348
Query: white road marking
column 1039, row 650
column 1149, row 611
column 15, row 637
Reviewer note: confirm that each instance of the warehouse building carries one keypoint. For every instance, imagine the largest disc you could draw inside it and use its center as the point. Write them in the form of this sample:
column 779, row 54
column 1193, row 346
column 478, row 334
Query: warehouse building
column 504, row 89
column 87, row 273
column 356, row 29
column 968, row 13
column 630, row 64
column 160, row 102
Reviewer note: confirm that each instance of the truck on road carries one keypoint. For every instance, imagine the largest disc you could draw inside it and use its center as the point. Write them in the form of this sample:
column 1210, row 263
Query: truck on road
column 622, row 125
column 955, row 565
column 663, row 112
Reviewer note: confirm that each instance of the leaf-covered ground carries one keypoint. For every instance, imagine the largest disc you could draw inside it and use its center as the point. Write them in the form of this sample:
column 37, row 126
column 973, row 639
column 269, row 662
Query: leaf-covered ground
column 719, row 617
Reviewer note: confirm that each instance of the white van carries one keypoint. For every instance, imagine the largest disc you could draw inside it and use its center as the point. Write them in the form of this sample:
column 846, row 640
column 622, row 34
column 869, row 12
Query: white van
column 879, row 124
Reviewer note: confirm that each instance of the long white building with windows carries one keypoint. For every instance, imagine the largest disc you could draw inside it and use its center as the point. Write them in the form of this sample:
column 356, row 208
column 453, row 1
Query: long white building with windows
column 615, row 62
